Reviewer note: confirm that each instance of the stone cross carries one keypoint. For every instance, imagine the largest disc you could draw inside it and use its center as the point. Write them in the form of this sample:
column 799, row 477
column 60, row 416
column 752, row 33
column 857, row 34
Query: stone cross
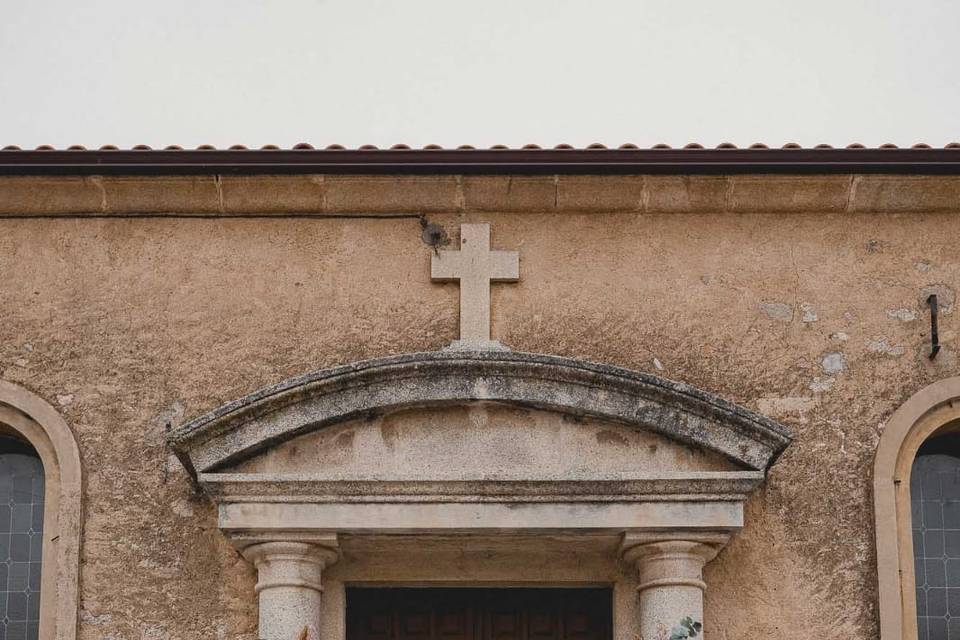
column 475, row 266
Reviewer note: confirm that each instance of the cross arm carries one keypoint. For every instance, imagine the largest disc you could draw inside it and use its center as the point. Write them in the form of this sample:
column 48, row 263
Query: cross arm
column 446, row 266
column 504, row 266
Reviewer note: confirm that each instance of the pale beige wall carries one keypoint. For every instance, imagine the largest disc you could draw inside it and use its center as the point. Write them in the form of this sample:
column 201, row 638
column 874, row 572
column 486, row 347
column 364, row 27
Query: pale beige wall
column 802, row 299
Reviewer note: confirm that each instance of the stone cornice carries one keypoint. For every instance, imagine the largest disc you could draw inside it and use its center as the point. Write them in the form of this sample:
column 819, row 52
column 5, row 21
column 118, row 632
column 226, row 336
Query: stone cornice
column 390, row 195
column 245, row 427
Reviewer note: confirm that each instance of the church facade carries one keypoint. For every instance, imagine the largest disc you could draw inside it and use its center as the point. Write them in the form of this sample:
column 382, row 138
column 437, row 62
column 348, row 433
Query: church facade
column 467, row 395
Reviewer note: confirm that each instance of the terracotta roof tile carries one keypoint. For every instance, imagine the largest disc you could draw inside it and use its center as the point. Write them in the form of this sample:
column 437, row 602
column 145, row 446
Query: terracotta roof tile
column 529, row 146
column 726, row 157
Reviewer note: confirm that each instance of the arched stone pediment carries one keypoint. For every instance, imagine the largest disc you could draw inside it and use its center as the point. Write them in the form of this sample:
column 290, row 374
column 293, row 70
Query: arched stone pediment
column 247, row 427
column 496, row 449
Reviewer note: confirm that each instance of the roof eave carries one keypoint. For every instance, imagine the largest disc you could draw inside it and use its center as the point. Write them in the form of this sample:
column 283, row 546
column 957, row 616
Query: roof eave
column 469, row 161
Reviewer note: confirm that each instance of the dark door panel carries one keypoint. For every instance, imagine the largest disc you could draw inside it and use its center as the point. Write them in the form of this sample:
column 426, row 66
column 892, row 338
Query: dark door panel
column 478, row 614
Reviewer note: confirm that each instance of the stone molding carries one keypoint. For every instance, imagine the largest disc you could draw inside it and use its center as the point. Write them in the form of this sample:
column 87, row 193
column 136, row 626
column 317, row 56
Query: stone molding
column 926, row 412
column 338, row 195
column 732, row 486
column 245, row 427
column 477, row 519
column 40, row 424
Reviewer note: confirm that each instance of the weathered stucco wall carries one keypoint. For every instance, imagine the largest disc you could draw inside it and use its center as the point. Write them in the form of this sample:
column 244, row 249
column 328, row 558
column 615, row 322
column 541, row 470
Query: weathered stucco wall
column 802, row 298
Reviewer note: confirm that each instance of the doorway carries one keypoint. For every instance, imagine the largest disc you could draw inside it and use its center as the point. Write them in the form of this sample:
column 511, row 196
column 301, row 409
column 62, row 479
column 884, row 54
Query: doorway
column 478, row 614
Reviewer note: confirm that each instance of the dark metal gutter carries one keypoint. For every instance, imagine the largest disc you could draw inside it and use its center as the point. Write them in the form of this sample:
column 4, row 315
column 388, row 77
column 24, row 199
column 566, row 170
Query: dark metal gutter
column 469, row 161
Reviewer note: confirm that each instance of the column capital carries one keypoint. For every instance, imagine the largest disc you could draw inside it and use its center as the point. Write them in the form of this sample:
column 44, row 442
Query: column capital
column 286, row 563
column 672, row 559
column 633, row 546
column 670, row 575
column 289, row 573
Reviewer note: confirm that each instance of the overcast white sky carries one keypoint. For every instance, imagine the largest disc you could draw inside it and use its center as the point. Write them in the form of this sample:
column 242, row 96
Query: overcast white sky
column 483, row 72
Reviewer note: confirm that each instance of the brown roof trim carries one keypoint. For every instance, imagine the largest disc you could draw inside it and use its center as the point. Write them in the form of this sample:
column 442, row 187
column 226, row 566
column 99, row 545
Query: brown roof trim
column 475, row 161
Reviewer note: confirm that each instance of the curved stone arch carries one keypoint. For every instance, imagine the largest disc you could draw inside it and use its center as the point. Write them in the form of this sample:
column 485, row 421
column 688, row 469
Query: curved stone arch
column 37, row 422
column 922, row 416
column 241, row 429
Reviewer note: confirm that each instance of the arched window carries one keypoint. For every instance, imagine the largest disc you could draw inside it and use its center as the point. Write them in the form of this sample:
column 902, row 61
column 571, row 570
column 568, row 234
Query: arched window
column 917, row 509
column 935, row 515
column 21, row 538
column 39, row 519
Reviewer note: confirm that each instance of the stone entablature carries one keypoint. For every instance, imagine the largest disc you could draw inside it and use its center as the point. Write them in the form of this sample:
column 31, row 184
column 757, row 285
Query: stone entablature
column 669, row 500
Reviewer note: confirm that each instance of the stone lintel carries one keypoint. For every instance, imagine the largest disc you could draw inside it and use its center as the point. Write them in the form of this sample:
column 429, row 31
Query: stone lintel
column 468, row 518
column 704, row 486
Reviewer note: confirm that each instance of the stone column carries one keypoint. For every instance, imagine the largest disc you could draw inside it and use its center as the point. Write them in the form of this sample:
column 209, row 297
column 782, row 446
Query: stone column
column 289, row 587
column 671, row 578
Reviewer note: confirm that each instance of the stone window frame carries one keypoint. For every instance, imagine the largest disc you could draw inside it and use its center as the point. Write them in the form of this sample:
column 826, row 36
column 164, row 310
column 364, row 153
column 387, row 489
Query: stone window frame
column 932, row 411
column 29, row 417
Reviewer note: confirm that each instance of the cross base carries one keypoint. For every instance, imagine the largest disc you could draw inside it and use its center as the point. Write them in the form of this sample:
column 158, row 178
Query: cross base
column 476, row 345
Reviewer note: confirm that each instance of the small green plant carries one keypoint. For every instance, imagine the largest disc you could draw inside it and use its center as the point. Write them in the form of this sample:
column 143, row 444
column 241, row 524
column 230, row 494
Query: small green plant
column 688, row 628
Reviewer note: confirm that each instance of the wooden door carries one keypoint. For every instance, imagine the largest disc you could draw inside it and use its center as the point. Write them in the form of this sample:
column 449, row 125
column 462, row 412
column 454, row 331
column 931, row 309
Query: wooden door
column 478, row 614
